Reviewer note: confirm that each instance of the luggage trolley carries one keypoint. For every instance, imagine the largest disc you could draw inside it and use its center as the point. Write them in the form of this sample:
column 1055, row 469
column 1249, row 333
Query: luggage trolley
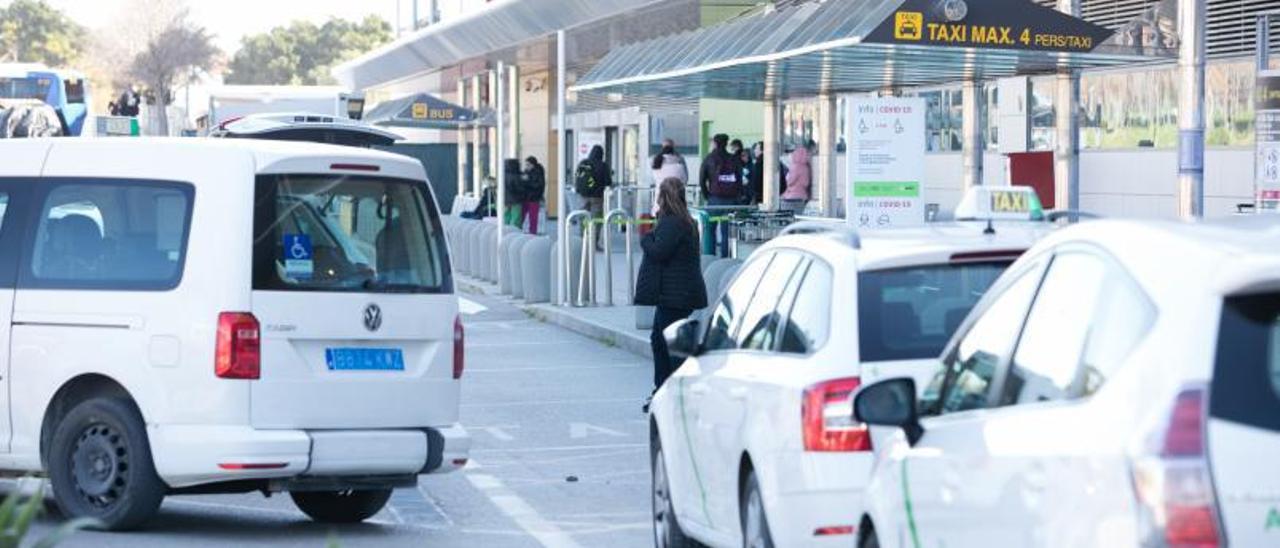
column 750, row 230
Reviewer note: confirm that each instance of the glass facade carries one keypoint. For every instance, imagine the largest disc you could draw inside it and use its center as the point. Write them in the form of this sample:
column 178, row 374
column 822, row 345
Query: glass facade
column 1118, row 109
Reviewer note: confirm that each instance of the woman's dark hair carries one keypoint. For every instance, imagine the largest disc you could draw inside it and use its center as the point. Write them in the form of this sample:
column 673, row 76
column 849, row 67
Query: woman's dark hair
column 661, row 157
column 671, row 201
column 532, row 160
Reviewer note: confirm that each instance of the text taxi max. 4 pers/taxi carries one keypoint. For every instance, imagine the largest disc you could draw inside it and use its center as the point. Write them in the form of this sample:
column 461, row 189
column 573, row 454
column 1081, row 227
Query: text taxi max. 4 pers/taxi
column 753, row 443
column 214, row 316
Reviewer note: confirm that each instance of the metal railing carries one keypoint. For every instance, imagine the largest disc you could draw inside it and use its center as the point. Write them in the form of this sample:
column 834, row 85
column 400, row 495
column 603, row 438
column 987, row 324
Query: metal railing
column 566, row 269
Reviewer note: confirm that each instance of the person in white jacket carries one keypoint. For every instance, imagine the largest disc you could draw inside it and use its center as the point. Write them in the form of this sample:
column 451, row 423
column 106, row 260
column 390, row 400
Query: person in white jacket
column 668, row 164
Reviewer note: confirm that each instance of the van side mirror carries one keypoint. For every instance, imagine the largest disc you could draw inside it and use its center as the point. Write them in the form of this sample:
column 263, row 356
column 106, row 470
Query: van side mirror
column 683, row 338
column 890, row 402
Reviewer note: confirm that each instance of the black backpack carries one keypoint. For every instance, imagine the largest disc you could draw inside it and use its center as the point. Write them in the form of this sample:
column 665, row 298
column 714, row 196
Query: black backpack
column 584, row 179
column 727, row 182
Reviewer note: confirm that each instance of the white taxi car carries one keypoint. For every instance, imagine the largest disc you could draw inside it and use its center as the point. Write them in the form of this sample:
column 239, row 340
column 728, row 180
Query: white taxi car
column 1118, row 386
column 224, row 316
column 752, row 439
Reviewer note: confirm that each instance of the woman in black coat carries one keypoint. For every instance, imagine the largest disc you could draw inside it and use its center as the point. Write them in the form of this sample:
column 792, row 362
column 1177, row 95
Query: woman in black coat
column 670, row 273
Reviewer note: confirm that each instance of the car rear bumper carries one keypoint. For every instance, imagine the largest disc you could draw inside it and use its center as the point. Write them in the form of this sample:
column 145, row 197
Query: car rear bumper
column 826, row 518
column 190, row 455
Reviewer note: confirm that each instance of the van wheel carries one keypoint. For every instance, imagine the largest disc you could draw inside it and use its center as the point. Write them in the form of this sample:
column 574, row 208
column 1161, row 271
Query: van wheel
column 755, row 525
column 100, row 465
column 348, row 506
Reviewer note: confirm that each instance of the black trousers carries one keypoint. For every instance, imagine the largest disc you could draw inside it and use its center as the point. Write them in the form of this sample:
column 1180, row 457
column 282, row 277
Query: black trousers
column 663, row 364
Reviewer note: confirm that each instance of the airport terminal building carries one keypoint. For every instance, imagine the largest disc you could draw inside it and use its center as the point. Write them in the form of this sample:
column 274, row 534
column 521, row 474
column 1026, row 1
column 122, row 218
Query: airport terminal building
column 637, row 72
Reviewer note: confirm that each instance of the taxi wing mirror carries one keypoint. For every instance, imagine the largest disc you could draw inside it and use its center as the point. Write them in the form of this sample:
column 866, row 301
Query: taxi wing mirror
column 890, row 402
column 683, row 338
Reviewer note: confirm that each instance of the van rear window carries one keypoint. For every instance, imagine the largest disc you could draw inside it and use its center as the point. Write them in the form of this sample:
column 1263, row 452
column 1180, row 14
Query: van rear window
column 347, row 234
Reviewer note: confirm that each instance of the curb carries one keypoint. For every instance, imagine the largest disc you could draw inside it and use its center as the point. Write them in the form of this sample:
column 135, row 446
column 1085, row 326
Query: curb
column 632, row 341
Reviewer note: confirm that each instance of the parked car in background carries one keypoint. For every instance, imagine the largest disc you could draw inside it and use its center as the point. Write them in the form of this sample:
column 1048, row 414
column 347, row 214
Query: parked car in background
column 306, row 127
column 198, row 316
column 752, row 440
column 1118, row 386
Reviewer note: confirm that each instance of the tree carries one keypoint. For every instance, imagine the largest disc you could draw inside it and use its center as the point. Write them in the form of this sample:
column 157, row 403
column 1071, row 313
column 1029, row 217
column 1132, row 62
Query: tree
column 32, row 31
column 170, row 59
column 303, row 53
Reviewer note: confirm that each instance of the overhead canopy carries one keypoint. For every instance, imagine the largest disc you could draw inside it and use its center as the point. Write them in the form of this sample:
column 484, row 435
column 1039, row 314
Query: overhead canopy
column 496, row 26
column 867, row 45
column 425, row 111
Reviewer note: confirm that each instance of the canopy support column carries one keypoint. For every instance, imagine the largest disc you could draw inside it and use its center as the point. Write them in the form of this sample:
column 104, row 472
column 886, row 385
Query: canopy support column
column 495, row 102
column 498, row 149
column 562, row 154
column 477, row 166
column 1067, row 142
column 513, row 87
column 972, row 133
column 1191, row 54
column 772, row 153
column 828, row 175
column 462, row 143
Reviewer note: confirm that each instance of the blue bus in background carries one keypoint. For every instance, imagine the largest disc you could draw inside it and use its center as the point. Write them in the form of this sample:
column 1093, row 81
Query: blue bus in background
column 67, row 91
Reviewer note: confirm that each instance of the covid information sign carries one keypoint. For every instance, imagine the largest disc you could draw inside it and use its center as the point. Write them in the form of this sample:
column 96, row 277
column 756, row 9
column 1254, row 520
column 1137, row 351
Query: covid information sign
column 1267, row 123
column 886, row 139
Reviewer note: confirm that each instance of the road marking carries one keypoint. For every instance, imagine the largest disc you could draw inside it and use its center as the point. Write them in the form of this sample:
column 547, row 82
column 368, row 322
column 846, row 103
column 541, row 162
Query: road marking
column 637, row 400
column 580, row 430
column 471, row 370
column 499, row 432
column 469, row 307
column 546, row 533
column 558, row 448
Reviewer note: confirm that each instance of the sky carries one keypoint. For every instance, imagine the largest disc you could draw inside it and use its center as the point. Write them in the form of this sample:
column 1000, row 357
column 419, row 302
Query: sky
column 232, row 19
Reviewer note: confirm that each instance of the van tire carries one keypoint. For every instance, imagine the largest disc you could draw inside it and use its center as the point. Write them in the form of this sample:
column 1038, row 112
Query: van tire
column 100, row 465
column 348, row 506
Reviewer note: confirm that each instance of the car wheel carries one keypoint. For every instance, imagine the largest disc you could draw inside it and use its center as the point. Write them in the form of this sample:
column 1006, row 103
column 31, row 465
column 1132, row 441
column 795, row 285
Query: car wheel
column 100, row 465
column 755, row 525
column 869, row 538
column 666, row 529
column 348, row 506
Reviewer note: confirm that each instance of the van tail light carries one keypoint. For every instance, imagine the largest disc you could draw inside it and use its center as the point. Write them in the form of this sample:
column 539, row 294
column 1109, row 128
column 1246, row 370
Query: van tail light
column 459, row 355
column 238, row 353
column 827, row 418
column 1172, row 479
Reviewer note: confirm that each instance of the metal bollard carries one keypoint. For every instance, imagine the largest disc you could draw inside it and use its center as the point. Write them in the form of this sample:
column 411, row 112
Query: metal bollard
column 566, row 284
column 632, row 228
column 586, row 278
column 608, row 251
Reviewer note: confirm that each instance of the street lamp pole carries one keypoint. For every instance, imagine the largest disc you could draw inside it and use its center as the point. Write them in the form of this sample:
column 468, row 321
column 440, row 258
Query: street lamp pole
column 1191, row 54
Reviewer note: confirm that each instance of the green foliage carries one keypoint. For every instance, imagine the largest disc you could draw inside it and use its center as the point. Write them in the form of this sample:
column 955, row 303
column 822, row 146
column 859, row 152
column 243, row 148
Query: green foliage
column 16, row 518
column 32, row 31
column 302, row 53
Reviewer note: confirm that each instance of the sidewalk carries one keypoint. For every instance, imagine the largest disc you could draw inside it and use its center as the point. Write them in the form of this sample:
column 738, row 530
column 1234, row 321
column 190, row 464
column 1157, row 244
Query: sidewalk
column 611, row 325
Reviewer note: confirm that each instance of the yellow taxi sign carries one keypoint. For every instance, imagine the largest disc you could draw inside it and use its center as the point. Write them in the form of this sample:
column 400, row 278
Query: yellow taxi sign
column 1010, row 203
column 908, row 25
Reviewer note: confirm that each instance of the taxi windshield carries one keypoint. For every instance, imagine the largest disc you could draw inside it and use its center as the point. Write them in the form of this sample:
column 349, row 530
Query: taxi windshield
column 339, row 233
column 911, row 313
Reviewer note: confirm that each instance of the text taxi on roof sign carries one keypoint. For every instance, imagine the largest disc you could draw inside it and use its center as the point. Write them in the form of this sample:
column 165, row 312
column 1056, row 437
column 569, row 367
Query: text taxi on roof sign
column 1001, row 203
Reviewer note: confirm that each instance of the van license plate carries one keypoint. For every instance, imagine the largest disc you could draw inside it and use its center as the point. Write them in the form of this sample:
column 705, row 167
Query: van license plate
column 364, row 359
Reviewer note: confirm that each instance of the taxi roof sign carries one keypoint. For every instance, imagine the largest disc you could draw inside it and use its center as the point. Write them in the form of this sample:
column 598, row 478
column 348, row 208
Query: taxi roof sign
column 1000, row 203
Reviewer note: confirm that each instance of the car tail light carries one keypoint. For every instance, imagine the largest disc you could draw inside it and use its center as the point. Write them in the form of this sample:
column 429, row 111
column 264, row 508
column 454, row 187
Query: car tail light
column 459, row 355
column 238, row 354
column 827, row 416
column 1172, row 478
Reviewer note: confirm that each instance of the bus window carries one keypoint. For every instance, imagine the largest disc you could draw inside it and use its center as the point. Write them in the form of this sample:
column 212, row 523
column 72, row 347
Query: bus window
column 74, row 91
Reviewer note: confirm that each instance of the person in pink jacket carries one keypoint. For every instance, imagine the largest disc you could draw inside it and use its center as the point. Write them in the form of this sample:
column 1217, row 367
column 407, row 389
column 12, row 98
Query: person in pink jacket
column 799, row 179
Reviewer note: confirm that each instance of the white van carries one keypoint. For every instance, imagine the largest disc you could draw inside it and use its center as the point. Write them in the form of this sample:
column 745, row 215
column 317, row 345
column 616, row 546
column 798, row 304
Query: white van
column 224, row 316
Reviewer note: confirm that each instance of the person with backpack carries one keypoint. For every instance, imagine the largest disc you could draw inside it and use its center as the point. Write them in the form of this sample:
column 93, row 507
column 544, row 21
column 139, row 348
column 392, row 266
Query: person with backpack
column 721, row 182
column 592, row 178
column 535, row 187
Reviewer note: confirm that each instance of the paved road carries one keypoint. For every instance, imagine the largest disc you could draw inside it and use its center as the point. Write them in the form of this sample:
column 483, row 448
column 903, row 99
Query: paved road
column 560, row 460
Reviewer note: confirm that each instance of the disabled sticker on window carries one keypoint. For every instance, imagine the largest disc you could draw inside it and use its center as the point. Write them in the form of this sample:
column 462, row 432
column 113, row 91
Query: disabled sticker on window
column 298, row 262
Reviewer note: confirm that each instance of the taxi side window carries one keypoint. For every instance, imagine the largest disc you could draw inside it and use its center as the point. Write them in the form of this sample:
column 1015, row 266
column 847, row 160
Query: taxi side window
column 966, row 381
column 764, row 315
column 1086, row 318
column 726, row 316
column 808, row 324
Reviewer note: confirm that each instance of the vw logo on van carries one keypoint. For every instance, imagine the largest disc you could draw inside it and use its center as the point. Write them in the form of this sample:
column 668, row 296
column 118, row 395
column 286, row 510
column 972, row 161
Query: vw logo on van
column 372, row 317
